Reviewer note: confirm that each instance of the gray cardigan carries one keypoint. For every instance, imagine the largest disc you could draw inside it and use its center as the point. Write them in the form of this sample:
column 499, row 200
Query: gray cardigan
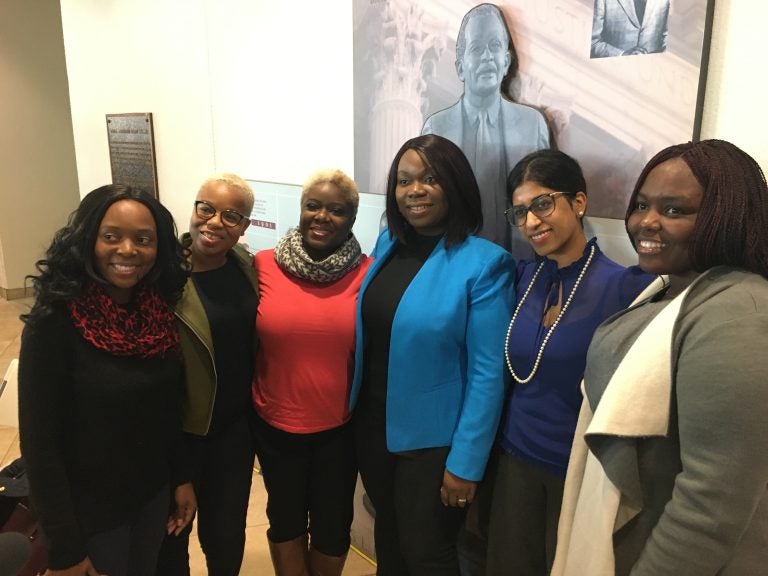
column 700, row 489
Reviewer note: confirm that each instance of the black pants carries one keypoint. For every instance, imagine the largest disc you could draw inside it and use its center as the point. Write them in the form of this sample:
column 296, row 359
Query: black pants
column 223, row 473
column 310, row 481
column 415, row 535
column 131, row 549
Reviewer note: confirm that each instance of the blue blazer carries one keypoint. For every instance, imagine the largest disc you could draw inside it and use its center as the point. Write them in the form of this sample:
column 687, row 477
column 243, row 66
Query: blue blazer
column 445, row 382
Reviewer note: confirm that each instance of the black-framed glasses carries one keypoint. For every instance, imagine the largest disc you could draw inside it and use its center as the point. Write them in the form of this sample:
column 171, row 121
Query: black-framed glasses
column 542, row 206
column 229, row 218
column 495, row 46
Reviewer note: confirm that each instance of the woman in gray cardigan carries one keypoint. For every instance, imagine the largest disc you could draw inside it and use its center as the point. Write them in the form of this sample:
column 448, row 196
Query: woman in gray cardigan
column 669, row 469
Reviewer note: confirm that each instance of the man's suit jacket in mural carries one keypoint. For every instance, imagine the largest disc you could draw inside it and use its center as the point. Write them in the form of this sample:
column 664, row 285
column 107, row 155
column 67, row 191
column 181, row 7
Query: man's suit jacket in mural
column 617, row 28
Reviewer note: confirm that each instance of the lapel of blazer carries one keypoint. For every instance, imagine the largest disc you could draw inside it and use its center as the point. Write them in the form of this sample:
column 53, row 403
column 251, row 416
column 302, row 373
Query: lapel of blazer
column 384, row 249
column 652, row 9
column 629, row 7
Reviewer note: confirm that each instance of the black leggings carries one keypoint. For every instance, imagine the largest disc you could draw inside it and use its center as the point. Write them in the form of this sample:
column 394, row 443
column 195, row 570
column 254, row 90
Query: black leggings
column 310, row 481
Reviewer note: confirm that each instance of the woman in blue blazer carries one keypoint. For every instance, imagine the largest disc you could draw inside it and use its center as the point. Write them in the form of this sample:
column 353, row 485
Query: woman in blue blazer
column 429, row 368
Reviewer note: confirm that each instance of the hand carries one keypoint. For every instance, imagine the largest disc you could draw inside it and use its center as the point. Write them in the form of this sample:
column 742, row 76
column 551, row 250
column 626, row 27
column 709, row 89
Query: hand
column 456, row 491
column 634, row 51
column 84, row 568
column 186, row 506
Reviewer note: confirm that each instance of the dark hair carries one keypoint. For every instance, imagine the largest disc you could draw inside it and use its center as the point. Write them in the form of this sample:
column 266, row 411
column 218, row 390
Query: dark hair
column 461, row 41
column 731, row 226
column 549, row 168
column 452, row 171
column 68, row 263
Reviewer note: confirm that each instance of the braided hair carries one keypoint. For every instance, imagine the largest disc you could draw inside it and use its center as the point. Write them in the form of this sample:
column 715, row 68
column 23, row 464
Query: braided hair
column 731, row 227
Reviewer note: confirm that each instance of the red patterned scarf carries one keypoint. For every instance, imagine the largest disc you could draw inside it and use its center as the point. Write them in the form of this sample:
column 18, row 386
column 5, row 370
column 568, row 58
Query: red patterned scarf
column 146, row 330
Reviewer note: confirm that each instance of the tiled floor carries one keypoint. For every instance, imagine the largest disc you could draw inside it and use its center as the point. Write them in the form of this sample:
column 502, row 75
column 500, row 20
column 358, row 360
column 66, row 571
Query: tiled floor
column 257, row 561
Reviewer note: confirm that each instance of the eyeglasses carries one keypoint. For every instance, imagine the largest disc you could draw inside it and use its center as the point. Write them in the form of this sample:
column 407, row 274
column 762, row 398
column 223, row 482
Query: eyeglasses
column 494, row 47
column 541, row 206
column 229, row 218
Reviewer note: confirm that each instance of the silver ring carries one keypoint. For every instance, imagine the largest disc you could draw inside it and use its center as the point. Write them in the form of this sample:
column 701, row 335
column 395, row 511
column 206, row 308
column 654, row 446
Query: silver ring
column 462, row 500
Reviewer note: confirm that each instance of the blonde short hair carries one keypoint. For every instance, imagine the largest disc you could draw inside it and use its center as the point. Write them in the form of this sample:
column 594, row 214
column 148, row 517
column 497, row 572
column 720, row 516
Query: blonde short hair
column 338, row 179
column 232, row 181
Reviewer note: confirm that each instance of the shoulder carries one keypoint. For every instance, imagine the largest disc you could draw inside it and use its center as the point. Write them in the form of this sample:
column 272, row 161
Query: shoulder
column 365, row 261
column 354, row 276
column 264, row 257
column 442, row 115
column 725, row 305
column 521, row 112
column 384, row 242
column 48, row 328
column 240, row 252
column 265, row 266
column 727, row 293
column 614, row 272
column 482, row 252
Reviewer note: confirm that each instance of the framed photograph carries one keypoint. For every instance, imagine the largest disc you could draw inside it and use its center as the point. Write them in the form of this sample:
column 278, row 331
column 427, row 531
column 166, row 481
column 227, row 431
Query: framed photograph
column 615, row 81
column 132, row 150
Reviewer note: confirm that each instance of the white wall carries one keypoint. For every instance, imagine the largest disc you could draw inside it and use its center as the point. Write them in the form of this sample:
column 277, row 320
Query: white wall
column 734, row 105
column 142, row 56
column 265, row 88
column 37, row 155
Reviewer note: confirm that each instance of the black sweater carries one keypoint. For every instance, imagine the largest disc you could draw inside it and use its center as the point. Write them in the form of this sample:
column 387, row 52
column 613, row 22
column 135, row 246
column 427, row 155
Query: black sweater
column 99, row 433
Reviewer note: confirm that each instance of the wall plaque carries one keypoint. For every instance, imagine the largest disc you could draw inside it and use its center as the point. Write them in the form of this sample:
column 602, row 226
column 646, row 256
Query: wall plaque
column 132, row 150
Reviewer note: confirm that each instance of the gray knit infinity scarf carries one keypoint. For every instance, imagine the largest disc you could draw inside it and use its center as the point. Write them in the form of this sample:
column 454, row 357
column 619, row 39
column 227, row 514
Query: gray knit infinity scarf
column 291, row 256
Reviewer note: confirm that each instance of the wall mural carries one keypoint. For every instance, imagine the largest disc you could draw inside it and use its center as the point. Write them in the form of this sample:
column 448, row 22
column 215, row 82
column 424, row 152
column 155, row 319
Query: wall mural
column 615, row 80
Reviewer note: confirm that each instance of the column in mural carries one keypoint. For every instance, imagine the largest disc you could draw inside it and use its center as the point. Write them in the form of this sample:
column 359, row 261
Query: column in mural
column 404, row 55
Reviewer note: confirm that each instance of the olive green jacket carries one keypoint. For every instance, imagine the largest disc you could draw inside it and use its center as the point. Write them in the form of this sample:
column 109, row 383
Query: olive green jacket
column 197, row 348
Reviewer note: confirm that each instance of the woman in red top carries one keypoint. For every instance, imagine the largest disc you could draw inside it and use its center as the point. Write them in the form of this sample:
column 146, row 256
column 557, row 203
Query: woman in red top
column 308, row 289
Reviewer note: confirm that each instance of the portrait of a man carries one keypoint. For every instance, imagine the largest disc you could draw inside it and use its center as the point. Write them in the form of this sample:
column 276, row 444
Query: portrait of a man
column 629, row 27
column 493, row 132
column 436, row 66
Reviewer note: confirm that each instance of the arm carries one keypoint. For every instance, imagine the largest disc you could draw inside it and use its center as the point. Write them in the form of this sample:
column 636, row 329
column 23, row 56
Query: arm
column 184, row 494
column 600, row 48
column 490, row 307
column 45, row 394
column 721, row 396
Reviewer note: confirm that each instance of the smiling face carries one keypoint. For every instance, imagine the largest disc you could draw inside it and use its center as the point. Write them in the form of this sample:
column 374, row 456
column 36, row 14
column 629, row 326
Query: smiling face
column 420, row 199
column 211, row 239
column 486, row 57
column 326, row 219
column 125, row 248
column 558, row 236
column 663, row 218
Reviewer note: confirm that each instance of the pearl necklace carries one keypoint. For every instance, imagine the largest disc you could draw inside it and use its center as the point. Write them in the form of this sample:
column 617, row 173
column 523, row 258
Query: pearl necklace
column 551, row 329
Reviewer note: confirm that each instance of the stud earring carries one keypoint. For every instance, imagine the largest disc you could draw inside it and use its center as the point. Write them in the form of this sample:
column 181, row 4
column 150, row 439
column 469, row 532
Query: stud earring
column 581, row 214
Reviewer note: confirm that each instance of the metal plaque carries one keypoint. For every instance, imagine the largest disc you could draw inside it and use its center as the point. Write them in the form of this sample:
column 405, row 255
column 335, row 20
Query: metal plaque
column 132, row 150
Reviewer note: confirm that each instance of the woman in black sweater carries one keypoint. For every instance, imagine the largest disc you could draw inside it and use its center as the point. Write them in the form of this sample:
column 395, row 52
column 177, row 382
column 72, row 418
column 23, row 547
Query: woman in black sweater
column 100, row 382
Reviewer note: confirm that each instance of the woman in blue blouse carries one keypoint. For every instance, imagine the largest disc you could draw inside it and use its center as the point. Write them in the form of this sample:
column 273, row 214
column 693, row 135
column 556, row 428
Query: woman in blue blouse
column 429, row 367
column 563, row 295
